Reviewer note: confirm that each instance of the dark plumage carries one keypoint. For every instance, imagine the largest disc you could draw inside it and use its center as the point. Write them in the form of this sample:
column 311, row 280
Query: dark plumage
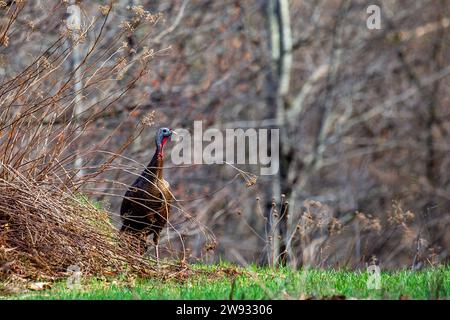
column 146, row 205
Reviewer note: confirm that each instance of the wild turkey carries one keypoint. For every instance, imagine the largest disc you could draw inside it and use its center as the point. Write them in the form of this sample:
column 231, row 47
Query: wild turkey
column 146, row 205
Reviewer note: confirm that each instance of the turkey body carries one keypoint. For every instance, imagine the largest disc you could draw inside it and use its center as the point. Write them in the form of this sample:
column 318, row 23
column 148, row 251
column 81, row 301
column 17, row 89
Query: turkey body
column 146, row 205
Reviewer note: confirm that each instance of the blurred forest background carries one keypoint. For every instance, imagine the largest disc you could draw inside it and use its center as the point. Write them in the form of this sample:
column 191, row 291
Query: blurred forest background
column 364, row 118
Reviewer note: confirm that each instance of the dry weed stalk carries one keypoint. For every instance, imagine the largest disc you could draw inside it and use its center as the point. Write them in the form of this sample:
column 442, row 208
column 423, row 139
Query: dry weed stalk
column 317, row 238
column 46, row 224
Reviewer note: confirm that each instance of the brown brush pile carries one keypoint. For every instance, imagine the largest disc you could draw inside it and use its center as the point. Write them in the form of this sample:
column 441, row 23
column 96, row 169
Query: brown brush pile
column 44, row 231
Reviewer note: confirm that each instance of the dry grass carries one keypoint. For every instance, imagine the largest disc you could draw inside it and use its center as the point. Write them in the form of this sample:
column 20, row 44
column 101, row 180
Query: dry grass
column 314, row 236
column 45, row 226
column 44, row 231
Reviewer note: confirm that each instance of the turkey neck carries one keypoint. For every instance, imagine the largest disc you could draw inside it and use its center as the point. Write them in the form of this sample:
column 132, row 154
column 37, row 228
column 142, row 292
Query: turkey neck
column 154, row 168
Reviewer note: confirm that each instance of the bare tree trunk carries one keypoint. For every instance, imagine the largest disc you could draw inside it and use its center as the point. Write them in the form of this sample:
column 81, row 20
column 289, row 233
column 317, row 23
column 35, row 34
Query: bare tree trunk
column 75, row 60
column 132, row 50
column 281, row 49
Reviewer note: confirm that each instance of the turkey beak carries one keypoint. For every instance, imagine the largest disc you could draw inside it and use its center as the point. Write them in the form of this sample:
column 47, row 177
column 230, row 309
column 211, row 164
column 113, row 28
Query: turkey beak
column 173, row 132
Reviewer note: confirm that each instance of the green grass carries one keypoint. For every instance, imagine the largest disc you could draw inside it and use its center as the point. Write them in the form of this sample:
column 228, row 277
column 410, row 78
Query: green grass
column 260, row 283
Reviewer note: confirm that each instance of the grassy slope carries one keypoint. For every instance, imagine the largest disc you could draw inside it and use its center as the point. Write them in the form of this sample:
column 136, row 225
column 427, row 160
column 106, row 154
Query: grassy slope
column 257, row 283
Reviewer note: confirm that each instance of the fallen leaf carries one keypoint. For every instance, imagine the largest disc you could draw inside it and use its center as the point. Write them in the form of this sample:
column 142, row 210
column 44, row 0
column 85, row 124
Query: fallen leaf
column 38, row 286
